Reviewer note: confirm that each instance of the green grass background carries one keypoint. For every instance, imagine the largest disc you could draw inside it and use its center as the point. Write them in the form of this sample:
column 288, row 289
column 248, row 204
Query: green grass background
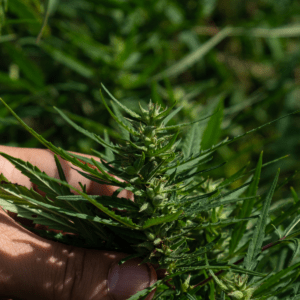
column 244, row 52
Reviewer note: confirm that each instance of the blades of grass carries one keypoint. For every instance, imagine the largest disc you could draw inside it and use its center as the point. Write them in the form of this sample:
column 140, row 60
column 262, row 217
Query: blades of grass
column 295, row 196
column 213, row 128
column 258, row 236
column 189, row 60
column 68, row 61
column 29, row 69
column 246, row 209
column 49, row 8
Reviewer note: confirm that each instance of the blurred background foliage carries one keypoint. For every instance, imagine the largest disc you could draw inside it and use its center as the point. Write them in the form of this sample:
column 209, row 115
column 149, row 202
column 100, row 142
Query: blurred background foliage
column 240, row 56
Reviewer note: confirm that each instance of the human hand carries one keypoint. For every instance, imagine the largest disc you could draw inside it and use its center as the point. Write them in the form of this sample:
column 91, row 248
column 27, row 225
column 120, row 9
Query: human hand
column 32, row 267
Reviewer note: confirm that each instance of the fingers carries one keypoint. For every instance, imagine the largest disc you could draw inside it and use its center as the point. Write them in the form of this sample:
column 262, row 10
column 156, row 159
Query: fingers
column 34, row 268
column 44, row 160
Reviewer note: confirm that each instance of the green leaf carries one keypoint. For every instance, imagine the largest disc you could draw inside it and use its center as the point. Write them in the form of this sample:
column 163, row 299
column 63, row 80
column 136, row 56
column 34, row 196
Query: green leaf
column 28, row 68
column 192, row 141
column 15, row 199
column 130, row 112
column 120, row 203
column 295, row 222
column 171, row 115
column 213, row 128
column 158, row 220
column 62, row 153
column 295, row 196
column 167, row 146
column 123, row 132
column 67, row 60
column 246, row 209
column 176, row 127
column 132, row 131
column 49, row 7
column 190, row 59
column 123, row 220
column 182, row 176
column 273, row 280
column 141, row 295
column 33, row 173
column 287, row 213
column 259, row 232
column 87, row 133
column 53, row 209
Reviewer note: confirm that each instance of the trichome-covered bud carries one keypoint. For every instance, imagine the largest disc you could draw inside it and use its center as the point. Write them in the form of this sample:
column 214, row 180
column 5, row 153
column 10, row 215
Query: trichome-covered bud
column 157, row 241
column 147, row 208
column 236, row 295
column 150, row 236
column 157, row 200
column 150, row 193
column 149, row 131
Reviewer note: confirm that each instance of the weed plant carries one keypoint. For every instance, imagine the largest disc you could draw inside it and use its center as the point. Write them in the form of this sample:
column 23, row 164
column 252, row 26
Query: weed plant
column 214, row 242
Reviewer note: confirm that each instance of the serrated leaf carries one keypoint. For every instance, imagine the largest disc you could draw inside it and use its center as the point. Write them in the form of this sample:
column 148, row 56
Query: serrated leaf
column 132, row 131
column 163, row 219
column 182, row 176
column 167, row 146
column 274, row 279
column 15, row 200
column 53, row 209
column 141, row 295
column 108, row 153
column 171, row 115
column 32, row 172
column 246, row 209
column 124, row 133
column 176, row 127
column 93, row 136
column 120, row 203
column 192, row 141
column 287, row 213
column 295, row 222
column 259, row 233
column 229, row 141
column 130, row 112
column 62, row 153
column 213, row 128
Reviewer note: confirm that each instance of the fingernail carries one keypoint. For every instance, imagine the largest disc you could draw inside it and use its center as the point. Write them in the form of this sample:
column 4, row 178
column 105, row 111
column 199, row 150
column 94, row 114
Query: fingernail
column 129, row 278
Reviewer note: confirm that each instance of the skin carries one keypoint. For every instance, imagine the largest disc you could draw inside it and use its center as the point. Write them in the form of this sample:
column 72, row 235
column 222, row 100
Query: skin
column 32, row 267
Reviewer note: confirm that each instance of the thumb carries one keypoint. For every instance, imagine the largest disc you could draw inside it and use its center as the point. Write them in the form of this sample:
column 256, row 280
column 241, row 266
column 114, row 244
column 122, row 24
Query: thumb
column 35, row 268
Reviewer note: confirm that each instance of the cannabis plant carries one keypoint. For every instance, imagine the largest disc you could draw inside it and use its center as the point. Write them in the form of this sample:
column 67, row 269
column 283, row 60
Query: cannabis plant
column 181, row 221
